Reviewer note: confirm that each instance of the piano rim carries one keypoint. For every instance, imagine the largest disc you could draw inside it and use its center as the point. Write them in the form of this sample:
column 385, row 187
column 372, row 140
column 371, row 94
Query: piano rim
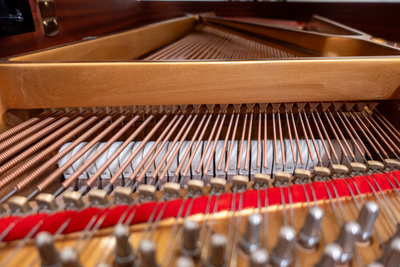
column 41, row 85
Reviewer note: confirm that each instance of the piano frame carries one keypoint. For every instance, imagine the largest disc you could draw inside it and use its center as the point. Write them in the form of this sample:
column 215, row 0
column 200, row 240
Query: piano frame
column 344, row 65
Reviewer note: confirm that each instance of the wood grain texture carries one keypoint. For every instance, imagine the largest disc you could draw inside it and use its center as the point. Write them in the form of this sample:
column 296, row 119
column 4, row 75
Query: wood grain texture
column 103, row 242
column 79, row 19
column 176, row 83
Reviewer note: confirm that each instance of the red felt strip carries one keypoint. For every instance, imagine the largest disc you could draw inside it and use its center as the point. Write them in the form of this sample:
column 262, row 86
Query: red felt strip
column 78, row 220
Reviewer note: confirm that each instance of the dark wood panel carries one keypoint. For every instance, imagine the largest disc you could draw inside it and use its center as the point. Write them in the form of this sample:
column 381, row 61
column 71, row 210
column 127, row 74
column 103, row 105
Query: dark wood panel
column 82, row 18
column 77, row 19
column 15, row 17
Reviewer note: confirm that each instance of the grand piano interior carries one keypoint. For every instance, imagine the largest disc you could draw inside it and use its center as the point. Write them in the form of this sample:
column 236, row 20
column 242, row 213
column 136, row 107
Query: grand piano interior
column 146, row 133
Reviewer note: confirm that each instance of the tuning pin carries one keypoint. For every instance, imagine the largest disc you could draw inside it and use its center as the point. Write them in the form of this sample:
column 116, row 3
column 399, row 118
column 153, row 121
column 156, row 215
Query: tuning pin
column 332, row 255
column 124, row 254
column 190, row 246
column 251, row 238
column 48, row 253
column 147, row 250
column 308, row 235
column 366, row 219
column 258, row 258
column 69, row 258
column 346, row 240
column 281, row 255
column 218, row 249
column 391, row 255
column 185, row 262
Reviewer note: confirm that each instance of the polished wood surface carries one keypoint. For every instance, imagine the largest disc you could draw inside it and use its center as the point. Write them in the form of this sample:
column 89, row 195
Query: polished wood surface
column 123, row 46
column 79, row 19
column 174, row 83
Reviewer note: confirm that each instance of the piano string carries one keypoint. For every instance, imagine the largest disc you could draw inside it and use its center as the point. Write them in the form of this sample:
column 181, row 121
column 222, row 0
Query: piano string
column 311, row 143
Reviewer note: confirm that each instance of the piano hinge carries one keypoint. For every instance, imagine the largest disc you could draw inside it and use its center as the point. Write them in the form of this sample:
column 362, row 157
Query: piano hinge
column 49, row 18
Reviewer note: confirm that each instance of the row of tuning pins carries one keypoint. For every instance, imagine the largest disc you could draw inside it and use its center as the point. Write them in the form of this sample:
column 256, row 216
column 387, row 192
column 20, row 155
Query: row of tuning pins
column 339, row 252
